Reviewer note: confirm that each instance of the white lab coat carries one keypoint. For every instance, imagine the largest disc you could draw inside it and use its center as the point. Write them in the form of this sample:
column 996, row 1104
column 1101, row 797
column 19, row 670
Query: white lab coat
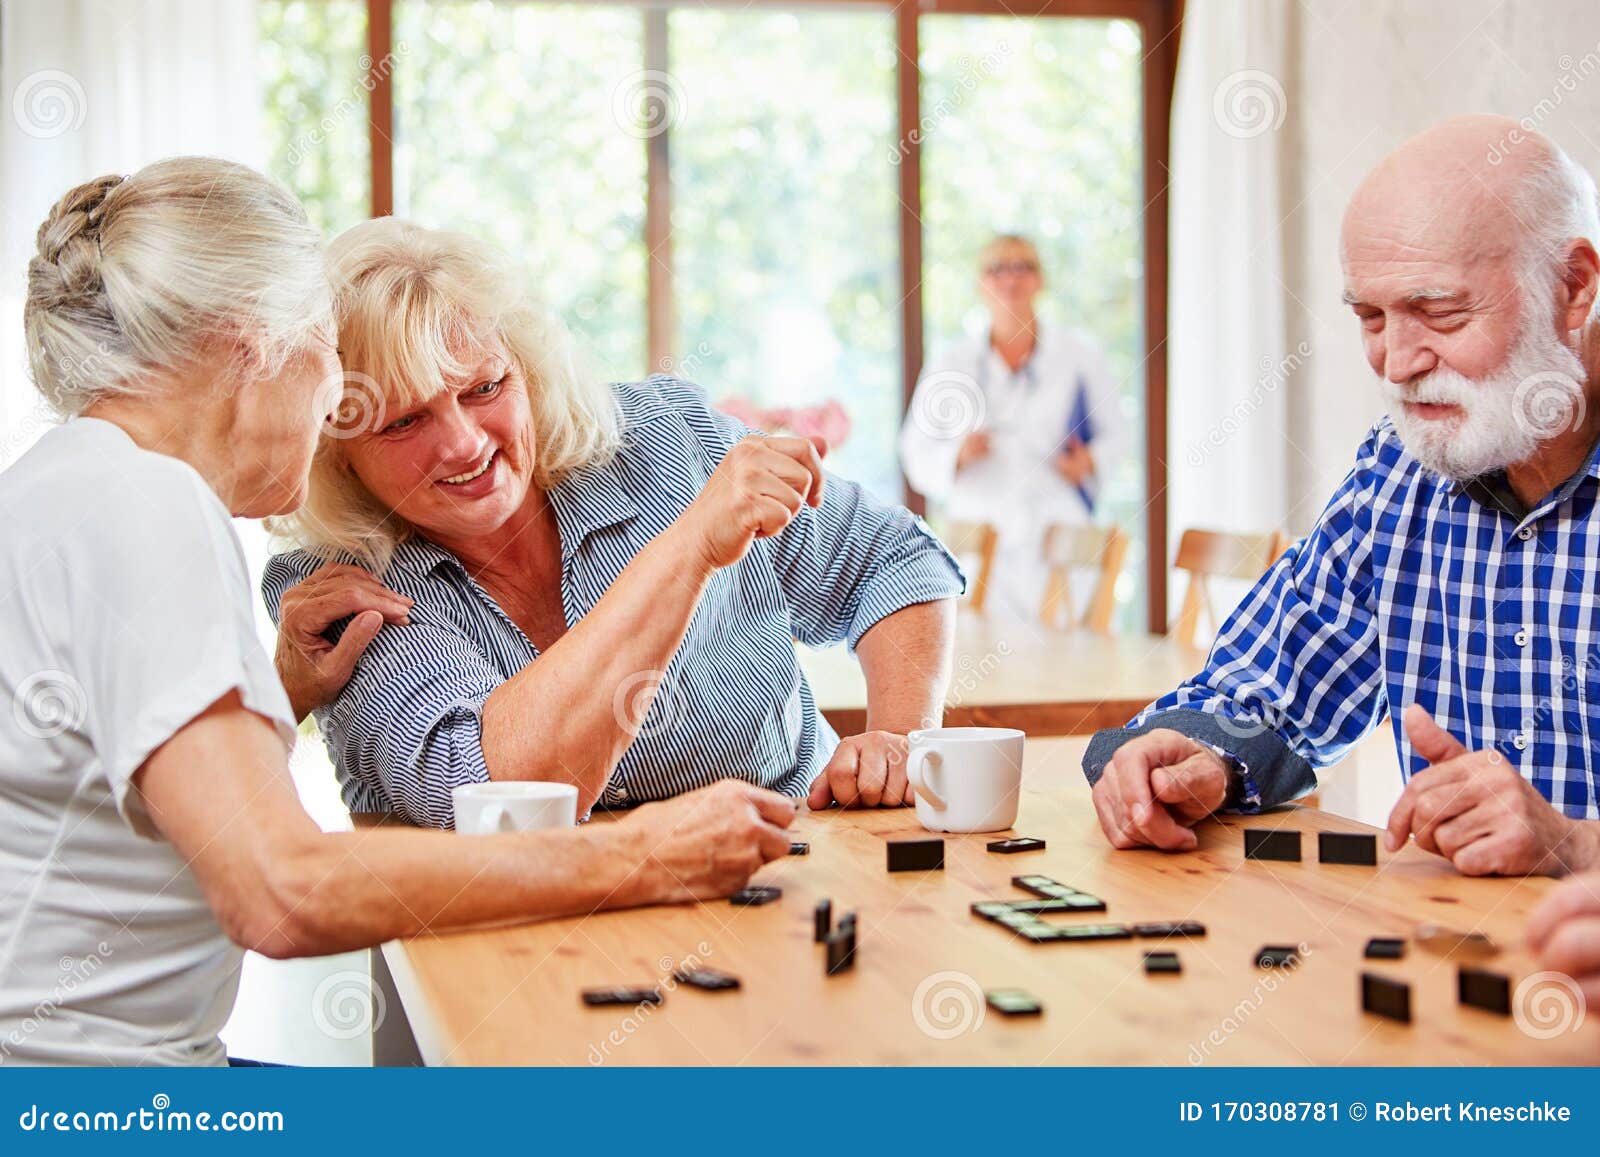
column 1017, row 488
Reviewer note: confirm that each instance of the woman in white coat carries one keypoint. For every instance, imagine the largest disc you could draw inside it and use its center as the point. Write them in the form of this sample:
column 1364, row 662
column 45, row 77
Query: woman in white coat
column 1018, row 428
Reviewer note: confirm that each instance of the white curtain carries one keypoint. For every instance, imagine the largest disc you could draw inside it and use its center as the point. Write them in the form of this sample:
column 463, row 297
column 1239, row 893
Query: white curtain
column 1231, row 360
column 100, row 86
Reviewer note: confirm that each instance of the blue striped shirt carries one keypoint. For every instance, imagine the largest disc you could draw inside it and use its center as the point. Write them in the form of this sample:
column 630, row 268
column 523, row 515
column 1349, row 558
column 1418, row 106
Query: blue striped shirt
column 1410, row 589
column 732, row 700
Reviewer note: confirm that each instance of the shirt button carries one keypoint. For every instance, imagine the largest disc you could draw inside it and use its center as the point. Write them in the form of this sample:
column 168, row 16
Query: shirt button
column 1520, row 638
column 1520, row 741
column 1525, row 533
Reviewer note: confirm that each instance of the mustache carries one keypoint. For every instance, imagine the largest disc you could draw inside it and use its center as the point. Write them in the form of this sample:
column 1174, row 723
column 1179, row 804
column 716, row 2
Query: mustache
column 1435, row 389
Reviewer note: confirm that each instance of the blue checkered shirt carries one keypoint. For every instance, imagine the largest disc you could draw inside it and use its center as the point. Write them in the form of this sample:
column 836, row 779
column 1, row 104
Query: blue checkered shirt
column 1410, row 589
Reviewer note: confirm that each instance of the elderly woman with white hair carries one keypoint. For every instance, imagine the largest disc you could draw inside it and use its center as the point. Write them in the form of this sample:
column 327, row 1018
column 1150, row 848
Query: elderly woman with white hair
column 180, row 319
column 596, row 585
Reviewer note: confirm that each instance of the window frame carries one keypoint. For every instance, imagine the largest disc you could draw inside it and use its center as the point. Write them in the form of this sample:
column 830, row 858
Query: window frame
column 1160, row 22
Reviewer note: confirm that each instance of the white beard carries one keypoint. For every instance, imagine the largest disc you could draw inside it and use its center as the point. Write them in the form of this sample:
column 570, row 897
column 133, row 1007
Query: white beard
column 1506, row 416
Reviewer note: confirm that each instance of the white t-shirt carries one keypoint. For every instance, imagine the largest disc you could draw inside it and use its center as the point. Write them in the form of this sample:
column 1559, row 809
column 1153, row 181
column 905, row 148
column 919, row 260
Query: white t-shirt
column 124, row 613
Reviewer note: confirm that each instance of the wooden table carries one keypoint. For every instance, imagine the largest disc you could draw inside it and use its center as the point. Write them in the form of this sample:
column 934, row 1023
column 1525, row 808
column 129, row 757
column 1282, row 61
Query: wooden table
column 511, row 996
column 1048, row 683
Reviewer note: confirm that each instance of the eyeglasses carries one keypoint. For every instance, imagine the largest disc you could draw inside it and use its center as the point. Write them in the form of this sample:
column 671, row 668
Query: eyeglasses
column 1018, row 268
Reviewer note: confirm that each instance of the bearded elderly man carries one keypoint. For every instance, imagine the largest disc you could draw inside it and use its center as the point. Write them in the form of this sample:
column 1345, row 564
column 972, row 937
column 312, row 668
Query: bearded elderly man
column 1451, row 582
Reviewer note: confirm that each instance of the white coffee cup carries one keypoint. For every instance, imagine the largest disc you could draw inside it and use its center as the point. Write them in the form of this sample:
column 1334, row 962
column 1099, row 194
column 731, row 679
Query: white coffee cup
column 966, row 778
column 514, row 806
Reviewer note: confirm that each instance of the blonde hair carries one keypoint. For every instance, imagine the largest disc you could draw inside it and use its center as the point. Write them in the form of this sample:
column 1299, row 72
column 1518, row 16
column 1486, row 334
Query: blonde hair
column 133, row 274
column 406, row 300
column 1000, row 242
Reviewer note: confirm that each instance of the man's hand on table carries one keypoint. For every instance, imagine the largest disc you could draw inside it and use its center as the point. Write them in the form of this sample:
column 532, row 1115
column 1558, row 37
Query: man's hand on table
column 1564, row 933
column 1476, row 810
column 707, row 843
column 1156, row 788
column 867, row 770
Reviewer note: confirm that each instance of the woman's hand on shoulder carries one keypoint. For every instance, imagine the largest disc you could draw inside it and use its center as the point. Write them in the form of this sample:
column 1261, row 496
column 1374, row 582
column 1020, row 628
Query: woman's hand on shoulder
column 312, row 669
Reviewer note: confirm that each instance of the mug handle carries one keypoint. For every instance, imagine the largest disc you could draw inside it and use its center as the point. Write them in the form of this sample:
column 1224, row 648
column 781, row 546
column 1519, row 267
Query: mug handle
column 919, row 767
column 497, row 819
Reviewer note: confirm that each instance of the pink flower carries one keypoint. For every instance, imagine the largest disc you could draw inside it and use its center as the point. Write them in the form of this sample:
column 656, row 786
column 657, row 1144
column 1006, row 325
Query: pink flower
column 826, row 420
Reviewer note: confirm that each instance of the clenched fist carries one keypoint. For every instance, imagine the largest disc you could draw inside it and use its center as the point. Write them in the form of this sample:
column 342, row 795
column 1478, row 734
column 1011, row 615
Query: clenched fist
column 756, row 491
column 1158, row 786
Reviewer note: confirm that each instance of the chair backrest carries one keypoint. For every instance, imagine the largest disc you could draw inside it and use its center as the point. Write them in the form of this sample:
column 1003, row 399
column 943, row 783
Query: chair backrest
column 1208, row 553
column 974, row 538
column 1069, row 548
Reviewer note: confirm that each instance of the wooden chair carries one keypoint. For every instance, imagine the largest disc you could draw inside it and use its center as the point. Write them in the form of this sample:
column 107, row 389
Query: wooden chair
column 1208, row 553
column 1069, row 548
column 981, row 539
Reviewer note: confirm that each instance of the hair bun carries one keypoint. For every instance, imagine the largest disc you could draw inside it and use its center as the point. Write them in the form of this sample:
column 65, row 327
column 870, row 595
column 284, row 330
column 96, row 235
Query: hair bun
column 69, row 239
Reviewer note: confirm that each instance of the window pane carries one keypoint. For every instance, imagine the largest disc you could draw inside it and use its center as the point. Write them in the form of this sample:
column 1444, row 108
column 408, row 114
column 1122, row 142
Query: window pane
column 784, row 228
column 506, row 127
column 312, row 57
column 1033, row 126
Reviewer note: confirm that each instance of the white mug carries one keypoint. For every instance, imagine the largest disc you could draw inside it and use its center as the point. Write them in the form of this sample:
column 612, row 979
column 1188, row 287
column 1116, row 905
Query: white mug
column 514, row 806
column 966, row 779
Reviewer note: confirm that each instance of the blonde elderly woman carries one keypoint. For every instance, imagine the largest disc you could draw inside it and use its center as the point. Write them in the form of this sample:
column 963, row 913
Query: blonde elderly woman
column 180, row 319
column 596, row 585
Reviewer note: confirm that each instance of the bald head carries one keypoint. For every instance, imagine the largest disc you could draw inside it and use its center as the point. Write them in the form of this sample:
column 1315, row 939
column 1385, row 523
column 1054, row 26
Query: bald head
column 1458, row 190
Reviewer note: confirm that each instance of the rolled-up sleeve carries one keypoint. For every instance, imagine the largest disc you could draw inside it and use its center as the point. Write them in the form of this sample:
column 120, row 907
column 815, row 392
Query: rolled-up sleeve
column 853, row 561
column 408, row 725
column 1295, row 676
